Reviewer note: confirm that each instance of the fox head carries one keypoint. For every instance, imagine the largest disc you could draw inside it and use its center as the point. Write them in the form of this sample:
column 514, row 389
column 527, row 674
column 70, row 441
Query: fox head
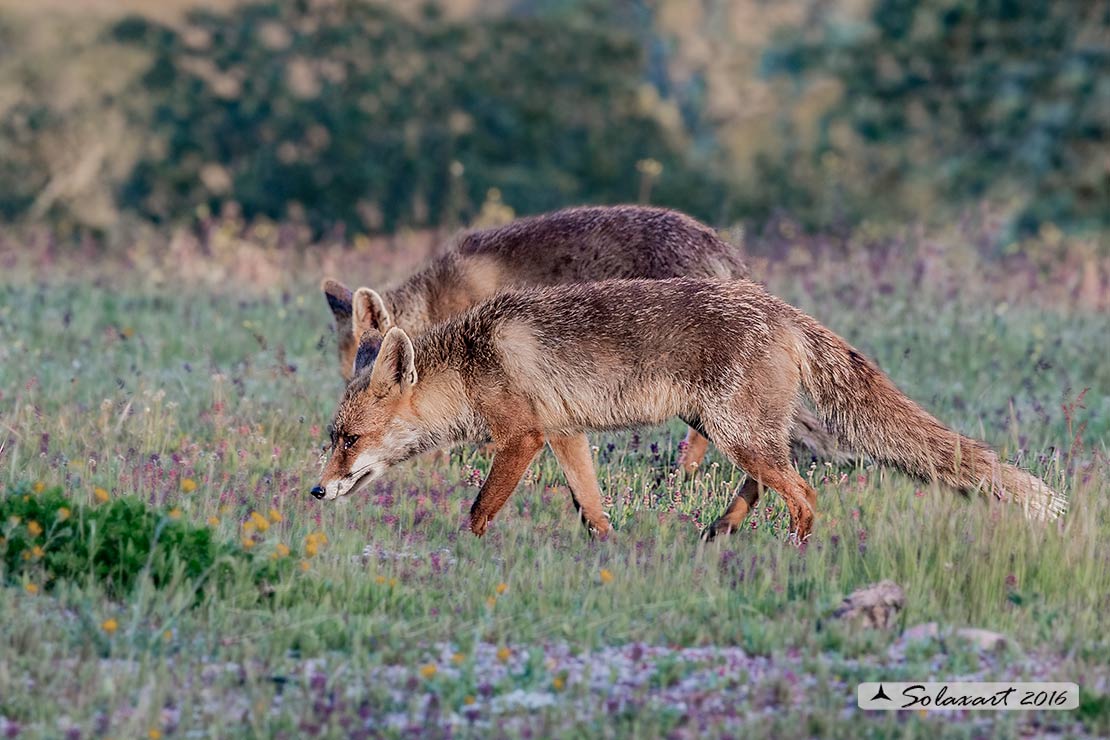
column 376, row 425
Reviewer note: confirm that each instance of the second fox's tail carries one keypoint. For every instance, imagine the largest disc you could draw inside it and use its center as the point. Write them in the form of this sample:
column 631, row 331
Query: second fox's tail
column 865, row 408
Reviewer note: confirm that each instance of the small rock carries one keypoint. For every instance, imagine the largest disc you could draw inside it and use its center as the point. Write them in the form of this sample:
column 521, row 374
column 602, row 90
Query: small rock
column 920, row 632
column 875, row 606
column 985, row 640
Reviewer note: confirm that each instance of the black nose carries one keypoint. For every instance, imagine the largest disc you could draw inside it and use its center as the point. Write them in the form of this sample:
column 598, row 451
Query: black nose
column 317, row 491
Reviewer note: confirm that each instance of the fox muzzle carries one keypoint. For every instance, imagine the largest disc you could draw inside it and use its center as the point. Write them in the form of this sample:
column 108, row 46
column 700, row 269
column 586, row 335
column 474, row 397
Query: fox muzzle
column 318, row 492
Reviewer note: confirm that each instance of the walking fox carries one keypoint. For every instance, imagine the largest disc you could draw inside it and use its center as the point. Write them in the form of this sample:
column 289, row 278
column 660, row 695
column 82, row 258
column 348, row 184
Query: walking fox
column 730, row 359
column 575, row 245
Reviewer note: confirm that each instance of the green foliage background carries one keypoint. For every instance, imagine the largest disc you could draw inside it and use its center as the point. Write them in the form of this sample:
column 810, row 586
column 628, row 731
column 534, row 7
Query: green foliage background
column 377, row 117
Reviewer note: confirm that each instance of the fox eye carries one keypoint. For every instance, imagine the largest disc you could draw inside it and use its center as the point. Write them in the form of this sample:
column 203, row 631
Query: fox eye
column 349, row 441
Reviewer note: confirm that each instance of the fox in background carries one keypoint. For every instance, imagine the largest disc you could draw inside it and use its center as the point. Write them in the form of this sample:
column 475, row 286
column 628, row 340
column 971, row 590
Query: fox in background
column 574, row 245
column 549, row 364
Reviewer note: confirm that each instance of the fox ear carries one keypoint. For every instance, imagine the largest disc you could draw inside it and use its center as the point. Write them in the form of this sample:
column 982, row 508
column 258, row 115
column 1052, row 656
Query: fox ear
column 369, row 312
column 339, row 298
column 395, row 368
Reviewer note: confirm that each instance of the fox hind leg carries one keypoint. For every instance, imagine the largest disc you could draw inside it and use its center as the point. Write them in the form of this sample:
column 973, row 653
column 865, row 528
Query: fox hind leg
column 694, row 449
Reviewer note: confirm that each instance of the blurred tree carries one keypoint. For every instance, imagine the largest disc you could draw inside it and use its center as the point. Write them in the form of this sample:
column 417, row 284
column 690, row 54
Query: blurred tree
column 350, row 113
column 971, row 98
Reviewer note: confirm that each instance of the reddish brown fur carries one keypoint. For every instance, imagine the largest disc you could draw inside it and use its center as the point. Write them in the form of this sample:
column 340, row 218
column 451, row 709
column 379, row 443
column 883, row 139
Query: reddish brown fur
column 570, row 246
column 560, row 361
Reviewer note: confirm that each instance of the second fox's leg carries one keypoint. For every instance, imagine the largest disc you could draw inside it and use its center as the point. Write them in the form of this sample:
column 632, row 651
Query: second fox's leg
column 696, row 445
column 736, row 512
column 773, row 472
column 573, row 454
column 512, row 458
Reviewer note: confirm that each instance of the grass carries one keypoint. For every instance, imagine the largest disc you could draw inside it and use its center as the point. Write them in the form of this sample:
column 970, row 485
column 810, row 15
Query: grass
column 211, row 402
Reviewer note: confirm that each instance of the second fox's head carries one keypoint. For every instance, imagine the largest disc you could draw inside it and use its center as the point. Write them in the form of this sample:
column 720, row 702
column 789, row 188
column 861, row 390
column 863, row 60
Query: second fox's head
column 376, row 425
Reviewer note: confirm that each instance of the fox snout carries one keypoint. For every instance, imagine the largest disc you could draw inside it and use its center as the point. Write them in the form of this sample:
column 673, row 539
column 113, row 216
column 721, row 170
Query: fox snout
column 317, row 491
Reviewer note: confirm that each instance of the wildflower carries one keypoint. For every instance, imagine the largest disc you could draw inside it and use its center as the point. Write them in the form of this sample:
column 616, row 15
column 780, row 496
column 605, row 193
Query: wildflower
column 502, row 588
column 311, row 548
column 248, row 543
column 275, row 516
column 380, row 580
column 504, row 654
column 39, row 487
column 213, row 521
column 280, row 551
column 37, row 552
column 154, row 734
column 468, row 700
column 557, row 683
column 458, row 658
column 63, row 514
column 392, row 582
column 109, row 625
column 175, row 513
column 34, row 528
column 606, row 575
column 188, row 485
column 428, row 670
column 248, row 527
column 261, row 522
column 491, row 602
column 167, row 636
column 101, row 494
column 304, row 565
column 31, row 588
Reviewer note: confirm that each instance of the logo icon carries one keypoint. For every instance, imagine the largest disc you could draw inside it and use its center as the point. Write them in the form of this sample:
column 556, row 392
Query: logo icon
column 880, row 694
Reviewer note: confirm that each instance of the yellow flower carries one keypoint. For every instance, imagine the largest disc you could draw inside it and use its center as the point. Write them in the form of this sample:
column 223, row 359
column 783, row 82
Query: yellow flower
column 31, row 588
column 127, row 332
column 175, row 513
column 458, row 658
column 63, row 514
column 275, row 516
column 213, row 521
column 248, row 527
column 429, row 670
column 101, row 494
column 504, row 654
column 280, row 551
column 557, row 683
column 261, row 522
column 188, row 485
column 468, row 700
column 311, row 549
column 154, row 734
column 248, row 543
column 491, row 602
column 225, row 509
column 502, row 588
column 37, row 552
column 34, row 528
column 167, row 635
column 606, row 575
column 39, row 487
column 109, row 625
column 304, row 565
column 392, row 582
column 380, row 580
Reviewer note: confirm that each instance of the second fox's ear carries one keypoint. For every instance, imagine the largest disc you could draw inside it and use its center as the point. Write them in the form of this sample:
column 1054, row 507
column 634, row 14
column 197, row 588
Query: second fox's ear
column 339, row 297
column 395, row 368
column 369, row 313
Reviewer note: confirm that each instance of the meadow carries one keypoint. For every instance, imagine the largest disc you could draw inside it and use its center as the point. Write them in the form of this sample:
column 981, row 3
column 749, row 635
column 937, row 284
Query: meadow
column 201, row 387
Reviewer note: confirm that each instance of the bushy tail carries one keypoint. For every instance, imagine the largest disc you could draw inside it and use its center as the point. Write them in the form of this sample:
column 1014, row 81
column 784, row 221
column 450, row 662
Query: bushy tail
column 872, row 416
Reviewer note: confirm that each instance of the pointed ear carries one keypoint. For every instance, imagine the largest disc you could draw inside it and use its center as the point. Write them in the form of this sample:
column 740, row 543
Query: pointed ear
column 395, row 368
column 369, row 313
column 338, row 296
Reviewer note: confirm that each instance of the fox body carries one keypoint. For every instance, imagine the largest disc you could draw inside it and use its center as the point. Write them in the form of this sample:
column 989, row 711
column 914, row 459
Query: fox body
column 575, row 245
column 549, row 364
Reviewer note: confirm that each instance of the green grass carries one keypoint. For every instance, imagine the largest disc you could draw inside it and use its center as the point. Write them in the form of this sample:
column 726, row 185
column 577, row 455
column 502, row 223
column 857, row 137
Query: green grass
column 398, row 618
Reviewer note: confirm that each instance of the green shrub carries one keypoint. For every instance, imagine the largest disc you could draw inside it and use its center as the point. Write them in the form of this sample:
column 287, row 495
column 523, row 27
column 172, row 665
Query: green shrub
column 353, row 113
column 115, row 544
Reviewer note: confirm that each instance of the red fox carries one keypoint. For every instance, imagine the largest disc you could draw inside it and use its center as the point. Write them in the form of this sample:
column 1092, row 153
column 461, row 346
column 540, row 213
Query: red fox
column 727, row 357
column 575, row 245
